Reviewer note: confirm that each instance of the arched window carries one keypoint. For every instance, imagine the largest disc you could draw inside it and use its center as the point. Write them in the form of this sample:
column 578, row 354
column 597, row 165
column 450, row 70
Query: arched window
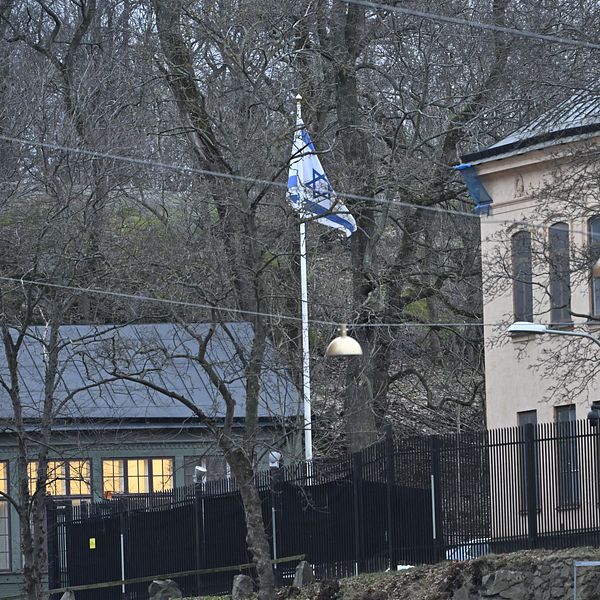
column 560, row 275
column 522, row 276
column 594, row 241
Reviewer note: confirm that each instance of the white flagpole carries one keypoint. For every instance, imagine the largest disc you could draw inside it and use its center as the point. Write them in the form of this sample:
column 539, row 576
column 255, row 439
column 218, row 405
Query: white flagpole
column 308, row 454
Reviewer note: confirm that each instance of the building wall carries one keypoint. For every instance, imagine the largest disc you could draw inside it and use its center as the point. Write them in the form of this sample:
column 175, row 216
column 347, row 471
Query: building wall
column 528, row 187
column 96, row 446
column 529, row 372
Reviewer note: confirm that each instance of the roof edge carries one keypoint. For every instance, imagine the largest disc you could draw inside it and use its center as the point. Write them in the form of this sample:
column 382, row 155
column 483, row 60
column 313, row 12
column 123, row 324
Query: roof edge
column 498, row 151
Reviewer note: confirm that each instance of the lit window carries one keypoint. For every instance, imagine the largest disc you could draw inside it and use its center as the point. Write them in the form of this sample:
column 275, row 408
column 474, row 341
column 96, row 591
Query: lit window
column 162, row 474
column 4, row 520
column 137, row 477
column 79, row 478
column 63, row 478
column 56, row 479
column 113, row 476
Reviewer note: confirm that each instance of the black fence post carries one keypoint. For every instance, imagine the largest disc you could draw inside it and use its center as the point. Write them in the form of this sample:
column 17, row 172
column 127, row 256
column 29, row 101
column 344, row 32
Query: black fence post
column 199, row 532
column 436, row 500
column 358, row 508
column 531, row 484
column 52, row 544
column 390, row 477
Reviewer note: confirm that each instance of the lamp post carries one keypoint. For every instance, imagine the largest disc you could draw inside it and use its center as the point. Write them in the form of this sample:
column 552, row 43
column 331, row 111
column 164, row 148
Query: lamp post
column 540, row 329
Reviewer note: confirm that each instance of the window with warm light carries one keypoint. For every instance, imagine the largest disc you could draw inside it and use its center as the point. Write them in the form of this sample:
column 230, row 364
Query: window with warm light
column 162, row 474
column 137, row 475
column 113, row 476
column 63, row 478
column 4, row 519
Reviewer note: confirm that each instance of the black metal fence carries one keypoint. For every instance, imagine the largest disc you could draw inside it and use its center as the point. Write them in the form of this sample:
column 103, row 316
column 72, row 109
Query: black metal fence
column 418, row 500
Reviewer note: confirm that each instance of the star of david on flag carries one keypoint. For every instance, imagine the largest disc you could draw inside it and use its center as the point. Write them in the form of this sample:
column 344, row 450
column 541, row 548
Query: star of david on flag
column 309, row 190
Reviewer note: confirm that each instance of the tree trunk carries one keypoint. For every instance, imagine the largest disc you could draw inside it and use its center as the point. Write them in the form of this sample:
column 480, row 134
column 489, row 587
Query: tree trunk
column 256, row 537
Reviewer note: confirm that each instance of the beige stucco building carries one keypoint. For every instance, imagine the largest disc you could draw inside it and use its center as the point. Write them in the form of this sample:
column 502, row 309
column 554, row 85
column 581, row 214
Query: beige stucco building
column 538, row 192
column 540, row 236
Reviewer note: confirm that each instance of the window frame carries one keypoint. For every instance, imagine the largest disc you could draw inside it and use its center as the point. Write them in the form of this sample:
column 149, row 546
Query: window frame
column 559, row 273
column 594, row 256
column 522, row 274
column 149, row 476
column 8, row 535
column 523, row 420
column 568, row 473
column 66, row 464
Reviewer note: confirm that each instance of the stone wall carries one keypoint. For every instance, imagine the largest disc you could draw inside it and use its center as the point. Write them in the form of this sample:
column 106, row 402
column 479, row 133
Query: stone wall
column 531, row 575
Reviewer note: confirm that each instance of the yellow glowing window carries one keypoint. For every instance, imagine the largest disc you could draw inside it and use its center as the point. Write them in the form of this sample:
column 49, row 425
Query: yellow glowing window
column 3, row 477
column 32, row 477
column 56, row 484
column 113, row 476
column 162, row 474
column 79, row 477
column 137, row 477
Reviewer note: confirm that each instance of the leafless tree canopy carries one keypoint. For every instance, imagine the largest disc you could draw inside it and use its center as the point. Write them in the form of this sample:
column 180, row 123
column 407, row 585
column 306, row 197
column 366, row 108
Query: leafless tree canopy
column 144, row 149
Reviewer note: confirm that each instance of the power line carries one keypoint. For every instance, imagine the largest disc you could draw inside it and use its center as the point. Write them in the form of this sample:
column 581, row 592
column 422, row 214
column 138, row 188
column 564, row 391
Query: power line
column 476, row 24
column 217, row 174
column 236, row 311
column 278, row 184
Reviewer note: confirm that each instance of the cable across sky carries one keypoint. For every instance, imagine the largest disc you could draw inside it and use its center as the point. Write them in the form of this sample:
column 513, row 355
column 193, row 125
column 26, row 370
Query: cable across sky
column 524, row 33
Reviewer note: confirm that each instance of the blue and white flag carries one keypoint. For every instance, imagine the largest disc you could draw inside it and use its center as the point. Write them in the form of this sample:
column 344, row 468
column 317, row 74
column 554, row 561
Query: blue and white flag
column 309, row 189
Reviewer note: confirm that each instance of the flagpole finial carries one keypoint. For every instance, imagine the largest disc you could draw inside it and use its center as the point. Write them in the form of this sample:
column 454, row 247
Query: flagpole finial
column 298, row 107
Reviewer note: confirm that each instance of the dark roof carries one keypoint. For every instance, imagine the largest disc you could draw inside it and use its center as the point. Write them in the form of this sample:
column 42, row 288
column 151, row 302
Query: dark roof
column 577, row 115
column 161, row 352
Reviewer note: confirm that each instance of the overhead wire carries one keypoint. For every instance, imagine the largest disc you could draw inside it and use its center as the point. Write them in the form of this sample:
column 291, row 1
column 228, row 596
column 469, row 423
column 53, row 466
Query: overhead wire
column 525, row 33
column 236, row 311
column 233, row 177
column 278, row 184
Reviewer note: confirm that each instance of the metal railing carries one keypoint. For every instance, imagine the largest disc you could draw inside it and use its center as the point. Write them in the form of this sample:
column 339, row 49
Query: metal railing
column 412, row 501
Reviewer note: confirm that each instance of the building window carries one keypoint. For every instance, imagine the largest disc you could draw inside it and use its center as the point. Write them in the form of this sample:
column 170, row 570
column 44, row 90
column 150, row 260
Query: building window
column 560, row 274
column 567, row 463
column 113, row 477
column 137, row 475
column 522, row 276
column 216, row 468
column 162, row 474
column 4, row 519
column 64, row 478
column 594, row 242
column 528, row 418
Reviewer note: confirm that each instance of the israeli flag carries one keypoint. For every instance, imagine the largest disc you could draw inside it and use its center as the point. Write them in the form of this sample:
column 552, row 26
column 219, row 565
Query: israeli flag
column 309, row 189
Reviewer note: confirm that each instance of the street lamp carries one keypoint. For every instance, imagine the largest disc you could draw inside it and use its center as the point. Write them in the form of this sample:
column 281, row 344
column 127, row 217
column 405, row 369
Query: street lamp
column 540, row 329
column 343, row 345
